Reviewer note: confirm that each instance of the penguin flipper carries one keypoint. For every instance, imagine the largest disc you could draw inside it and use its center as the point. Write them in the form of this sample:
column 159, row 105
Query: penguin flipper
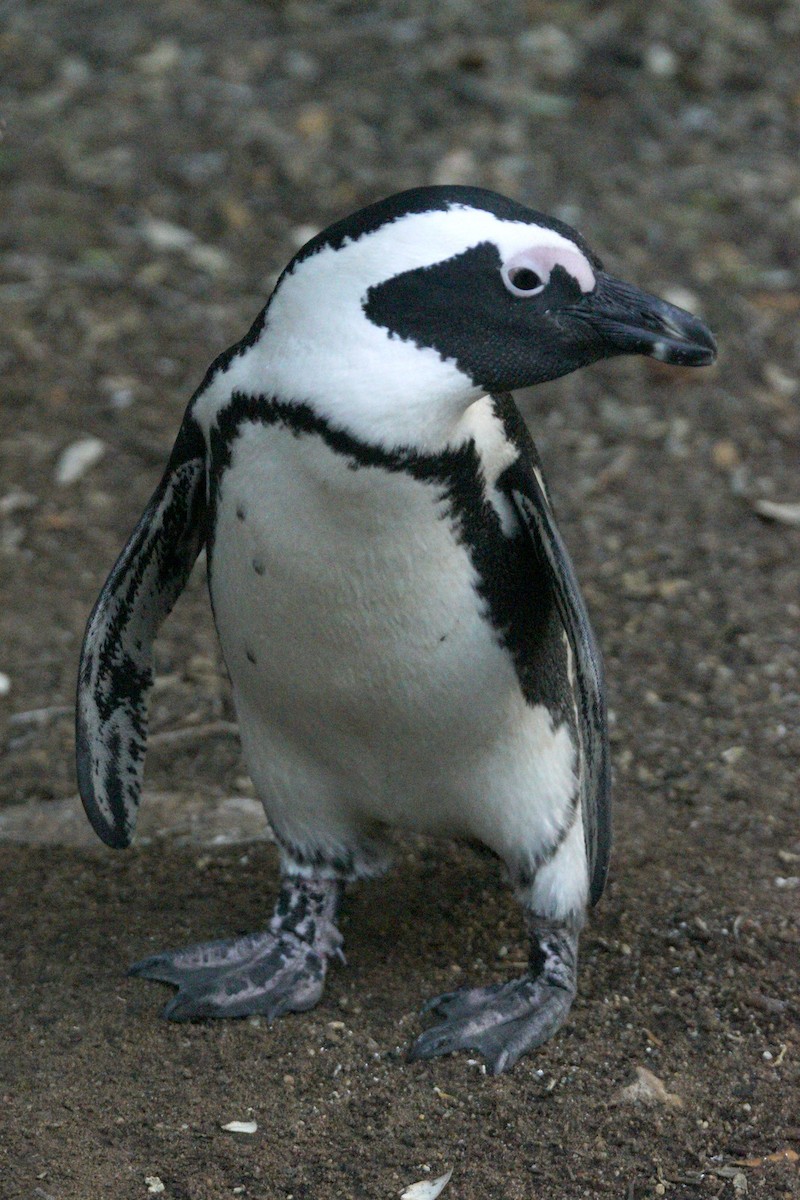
column 523, row 486
column 115, row 672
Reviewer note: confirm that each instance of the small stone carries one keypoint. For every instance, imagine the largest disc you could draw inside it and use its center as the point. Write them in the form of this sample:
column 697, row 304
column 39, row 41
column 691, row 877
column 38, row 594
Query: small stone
column 457, row 166
column 120, row 389
column 208, row 258
column 780, row 382
column 164, row 235
column 154, row 1185
column 17, row 501
column 77, row 459
column 784, row 514
column 668, row 589
column 787, row 882
column 248, row 1127
column 660, row 60
column 725, row 455
column 5, row 683
column 427, row 1189
column 300, row 65
column 732, row 755
column 554, row 52
column 160, row 58
column 682, row 298
column 314, row 122
column 647, row 1089
column 302, row 234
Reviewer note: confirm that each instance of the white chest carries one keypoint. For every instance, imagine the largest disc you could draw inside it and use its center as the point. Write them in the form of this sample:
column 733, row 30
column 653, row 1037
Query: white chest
column 369, row 681
column 343, row 593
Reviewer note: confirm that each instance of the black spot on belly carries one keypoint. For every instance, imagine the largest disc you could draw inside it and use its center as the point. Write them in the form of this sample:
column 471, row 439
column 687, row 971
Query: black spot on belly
column 258, row 566
column 240, row 512
column 250, row 656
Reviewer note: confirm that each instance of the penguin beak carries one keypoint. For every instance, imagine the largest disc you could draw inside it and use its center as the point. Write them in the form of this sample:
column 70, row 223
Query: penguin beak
column 629, row 321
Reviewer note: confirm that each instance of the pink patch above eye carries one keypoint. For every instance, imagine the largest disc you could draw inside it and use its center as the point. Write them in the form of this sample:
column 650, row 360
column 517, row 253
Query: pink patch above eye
column 542, row 260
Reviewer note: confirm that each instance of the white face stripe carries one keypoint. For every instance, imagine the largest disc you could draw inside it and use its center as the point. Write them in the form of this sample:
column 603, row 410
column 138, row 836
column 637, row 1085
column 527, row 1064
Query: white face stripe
column 318, row 346
column 422, row 239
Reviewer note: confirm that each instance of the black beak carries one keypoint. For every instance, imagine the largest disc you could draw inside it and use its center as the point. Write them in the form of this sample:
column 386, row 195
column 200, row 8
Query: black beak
column 629, row 321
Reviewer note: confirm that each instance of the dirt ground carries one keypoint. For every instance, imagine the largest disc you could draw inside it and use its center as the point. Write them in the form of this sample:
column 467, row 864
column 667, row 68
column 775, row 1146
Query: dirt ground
column 159, row 164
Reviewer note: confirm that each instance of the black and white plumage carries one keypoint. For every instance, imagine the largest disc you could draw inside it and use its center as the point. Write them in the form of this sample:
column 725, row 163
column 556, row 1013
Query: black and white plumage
column 402, row 625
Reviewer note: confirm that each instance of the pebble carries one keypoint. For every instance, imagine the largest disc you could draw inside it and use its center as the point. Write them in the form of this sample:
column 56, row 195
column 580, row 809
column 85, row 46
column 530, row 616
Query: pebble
column 16, row 501
column 457, row 166
column 647, row 1089
column 682, row 298
column 164, row 235
column 554, row 52
column 120, row 389
column 780, row 381
column 77, row 459
column 302, row 234
column 5, row 683
column 208, row 258
column 160, row 58
column 725, row 454
column 248, row 1127
column 427, row 1189
column 660, row 60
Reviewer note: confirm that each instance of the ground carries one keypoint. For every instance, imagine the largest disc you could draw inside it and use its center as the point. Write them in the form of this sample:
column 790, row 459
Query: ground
column 159, row 164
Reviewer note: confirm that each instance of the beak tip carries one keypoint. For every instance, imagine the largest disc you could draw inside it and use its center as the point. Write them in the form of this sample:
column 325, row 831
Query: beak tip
column 699, row 352
column 634, row 322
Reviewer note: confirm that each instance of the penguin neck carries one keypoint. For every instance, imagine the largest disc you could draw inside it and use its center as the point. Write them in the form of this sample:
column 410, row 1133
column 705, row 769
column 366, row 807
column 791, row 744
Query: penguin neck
column 381, row 390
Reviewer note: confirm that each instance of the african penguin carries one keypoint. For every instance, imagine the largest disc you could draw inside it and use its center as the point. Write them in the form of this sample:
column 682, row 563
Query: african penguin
column 405, row 636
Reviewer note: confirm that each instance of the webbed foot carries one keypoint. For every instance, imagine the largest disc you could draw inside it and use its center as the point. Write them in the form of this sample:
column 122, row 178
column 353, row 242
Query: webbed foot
column 271, row 973
column 504, row 1021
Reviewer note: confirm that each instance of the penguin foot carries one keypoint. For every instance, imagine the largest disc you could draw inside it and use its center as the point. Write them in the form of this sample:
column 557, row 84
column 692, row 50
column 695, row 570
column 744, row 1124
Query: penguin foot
column 271, row 973
column 506, row 1020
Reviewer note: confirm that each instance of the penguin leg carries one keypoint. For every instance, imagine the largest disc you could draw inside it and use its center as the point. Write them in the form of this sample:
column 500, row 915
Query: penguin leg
column 274, row 972
column 506, row 1020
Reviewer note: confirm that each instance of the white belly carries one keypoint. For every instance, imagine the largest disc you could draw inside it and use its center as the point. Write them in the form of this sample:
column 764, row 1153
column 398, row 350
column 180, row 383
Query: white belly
column 369, row 686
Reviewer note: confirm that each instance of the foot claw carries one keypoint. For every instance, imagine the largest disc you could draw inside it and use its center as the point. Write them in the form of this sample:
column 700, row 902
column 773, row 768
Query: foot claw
column 278, row 974
column 281, row 970
column 501, row 1022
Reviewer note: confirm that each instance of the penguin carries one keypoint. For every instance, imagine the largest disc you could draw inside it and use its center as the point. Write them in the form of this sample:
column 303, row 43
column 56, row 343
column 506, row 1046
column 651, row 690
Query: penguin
column 405, row 636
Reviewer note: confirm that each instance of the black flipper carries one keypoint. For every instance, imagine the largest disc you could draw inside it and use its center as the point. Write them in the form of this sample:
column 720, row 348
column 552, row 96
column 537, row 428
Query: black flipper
column 115, row 671
column 523, row 485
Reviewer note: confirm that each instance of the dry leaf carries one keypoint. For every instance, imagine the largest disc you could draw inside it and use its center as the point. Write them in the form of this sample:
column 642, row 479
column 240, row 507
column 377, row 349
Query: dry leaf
column 427, row 1189
column 647, row 1089
column 786, row 1155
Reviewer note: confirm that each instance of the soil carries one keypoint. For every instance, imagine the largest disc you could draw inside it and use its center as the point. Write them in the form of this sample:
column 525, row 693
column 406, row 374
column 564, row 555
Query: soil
column 160, row 163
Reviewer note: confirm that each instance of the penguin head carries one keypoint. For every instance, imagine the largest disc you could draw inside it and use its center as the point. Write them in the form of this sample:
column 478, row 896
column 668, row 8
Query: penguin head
column 415, row 306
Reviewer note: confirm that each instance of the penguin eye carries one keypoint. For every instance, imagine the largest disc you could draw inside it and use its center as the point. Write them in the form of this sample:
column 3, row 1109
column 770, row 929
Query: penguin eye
column 524, row 279
column 523, row 276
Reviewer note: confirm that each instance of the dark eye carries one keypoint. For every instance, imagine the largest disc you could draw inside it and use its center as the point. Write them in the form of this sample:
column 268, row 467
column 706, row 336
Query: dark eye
column 524, row 279
column 524, row 275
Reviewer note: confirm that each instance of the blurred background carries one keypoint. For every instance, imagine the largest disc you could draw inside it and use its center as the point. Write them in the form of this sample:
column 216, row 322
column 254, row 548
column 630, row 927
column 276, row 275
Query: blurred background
column 159, row 164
